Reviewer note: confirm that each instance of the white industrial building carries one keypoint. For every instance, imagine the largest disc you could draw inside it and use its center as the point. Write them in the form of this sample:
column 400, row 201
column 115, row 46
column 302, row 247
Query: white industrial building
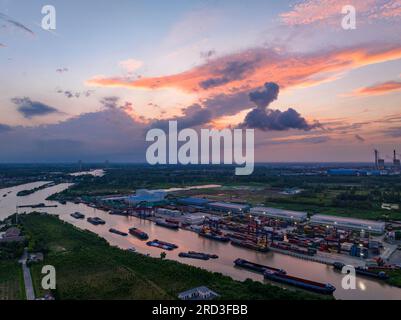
column 348, row 223
column 194, row 218
column 279, row 214
column 168, row 212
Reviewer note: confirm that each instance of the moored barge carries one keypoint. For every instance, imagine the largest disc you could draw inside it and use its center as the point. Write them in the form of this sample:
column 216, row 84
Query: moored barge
column 120, row 233
column 256, row 267
column 96, row 221
column 138, row 233
column 77, row 215
column 363, row 271
column 323, row 288
column 214, row 236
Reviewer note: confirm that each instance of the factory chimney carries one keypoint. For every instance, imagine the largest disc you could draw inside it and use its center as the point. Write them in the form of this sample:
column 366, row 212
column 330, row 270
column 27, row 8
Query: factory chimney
column 396, row 162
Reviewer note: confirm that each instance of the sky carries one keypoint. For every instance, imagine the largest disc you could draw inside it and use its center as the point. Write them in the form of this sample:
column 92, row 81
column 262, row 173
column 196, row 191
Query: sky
column 111, row 70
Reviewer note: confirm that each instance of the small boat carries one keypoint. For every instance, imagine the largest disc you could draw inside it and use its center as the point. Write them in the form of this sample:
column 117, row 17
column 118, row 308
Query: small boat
column 164, row 223
column 363, row 271
column 96, row 221
column 112, row 230
column 214, row 236
column 259, row 268
column 77, row 215
column 138, row 233
column 323, row 288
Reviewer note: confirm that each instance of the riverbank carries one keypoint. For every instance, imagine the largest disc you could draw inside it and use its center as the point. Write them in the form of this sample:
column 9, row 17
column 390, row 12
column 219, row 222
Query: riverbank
column 89, row 268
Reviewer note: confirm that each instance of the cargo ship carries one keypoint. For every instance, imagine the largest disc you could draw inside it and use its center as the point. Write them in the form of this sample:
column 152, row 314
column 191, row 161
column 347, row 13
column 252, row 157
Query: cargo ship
column 77, row 215
column 194, row 255
column 120, row 233
column 96, row 221
column 161, row 245
column 214, row 236
column 259, row 268
column 323, row 288
column 249, row 245
column 138, row 233
column 363, row 271
column 166, row 224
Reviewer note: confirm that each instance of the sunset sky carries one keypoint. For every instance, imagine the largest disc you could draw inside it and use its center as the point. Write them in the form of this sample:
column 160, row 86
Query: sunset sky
column 113, row 69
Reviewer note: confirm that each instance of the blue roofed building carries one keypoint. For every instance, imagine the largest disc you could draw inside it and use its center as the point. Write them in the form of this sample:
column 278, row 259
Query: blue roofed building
column 191, row 201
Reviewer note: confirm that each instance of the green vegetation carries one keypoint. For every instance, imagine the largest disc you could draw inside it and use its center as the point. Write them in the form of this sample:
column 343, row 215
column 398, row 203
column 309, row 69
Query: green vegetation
column 89, row 268
column 11, row 280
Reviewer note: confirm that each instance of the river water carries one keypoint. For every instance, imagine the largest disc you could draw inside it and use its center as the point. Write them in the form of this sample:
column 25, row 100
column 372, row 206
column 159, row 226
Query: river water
column 187, row 240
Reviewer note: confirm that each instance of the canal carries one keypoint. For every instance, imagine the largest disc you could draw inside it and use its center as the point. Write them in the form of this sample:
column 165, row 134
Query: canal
column 187, row 240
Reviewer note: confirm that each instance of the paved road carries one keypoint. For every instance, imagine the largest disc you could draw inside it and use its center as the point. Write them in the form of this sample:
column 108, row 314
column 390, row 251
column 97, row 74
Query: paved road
column 29, row 291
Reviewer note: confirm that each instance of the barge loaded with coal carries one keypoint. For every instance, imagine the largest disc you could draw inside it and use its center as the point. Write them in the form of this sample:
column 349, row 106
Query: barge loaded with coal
column 138, row 233
column 197, row 255
column 162, row 245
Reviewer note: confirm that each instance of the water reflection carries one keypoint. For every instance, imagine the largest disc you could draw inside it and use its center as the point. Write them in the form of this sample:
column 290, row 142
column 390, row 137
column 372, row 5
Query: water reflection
column 187, row 240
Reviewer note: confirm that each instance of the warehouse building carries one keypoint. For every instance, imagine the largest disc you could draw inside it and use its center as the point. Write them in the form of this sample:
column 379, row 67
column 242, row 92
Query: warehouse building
column 348, row 223
column 228, row 207
column 191, row 201
column 288, row 215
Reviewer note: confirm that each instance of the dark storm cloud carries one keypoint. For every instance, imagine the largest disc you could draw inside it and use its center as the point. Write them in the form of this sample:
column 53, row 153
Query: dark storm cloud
column 15, row 23
column 264, row 119
column 193, row 116
column 97, row 136
column 276, row 120
column 234, row 70
column 263, row 98
column 30, row 109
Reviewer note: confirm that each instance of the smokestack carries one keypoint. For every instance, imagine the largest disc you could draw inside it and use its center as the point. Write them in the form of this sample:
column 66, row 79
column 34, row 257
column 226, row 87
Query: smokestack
column 395, row 156
column 376, row 158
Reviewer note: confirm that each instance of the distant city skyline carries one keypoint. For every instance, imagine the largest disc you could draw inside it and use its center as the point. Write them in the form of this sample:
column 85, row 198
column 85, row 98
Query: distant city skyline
column 90, row 89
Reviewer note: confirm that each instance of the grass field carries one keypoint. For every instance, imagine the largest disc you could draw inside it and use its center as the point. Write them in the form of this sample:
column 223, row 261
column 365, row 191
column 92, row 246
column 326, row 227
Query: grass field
column 11, row 282
column 88, row 268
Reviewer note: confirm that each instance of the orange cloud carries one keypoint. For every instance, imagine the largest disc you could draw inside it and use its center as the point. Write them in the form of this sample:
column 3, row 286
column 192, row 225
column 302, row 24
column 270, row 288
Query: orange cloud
column 252, row 68
column 378, row 89
column 329, row 11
